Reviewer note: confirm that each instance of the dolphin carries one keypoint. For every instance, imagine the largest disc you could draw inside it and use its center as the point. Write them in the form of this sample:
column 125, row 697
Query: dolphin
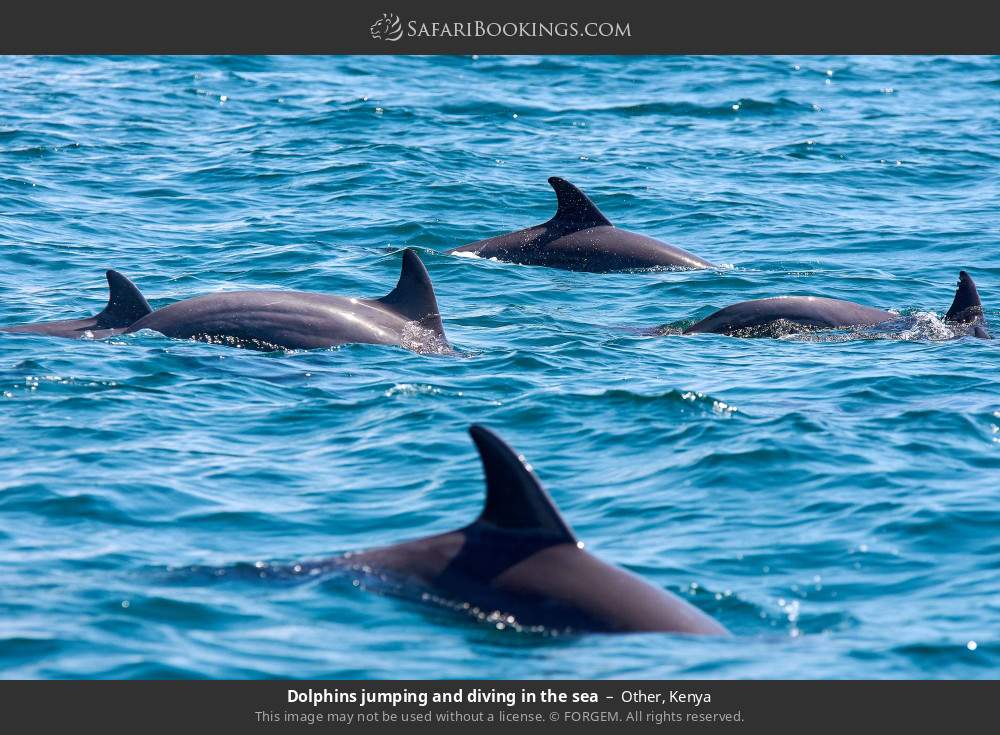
column 580, row 238
column 407, row 316
column 125, row 306
column 781, row 314
column 519, row 565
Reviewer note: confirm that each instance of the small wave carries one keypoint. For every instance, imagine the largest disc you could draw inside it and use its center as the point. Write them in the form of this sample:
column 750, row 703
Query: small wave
column 424, row 341
column 491, row 109
column 37, row 498
column 680, row 400
column 914, row 327
column 741, row 106
column 176, row 611
column 955, row 656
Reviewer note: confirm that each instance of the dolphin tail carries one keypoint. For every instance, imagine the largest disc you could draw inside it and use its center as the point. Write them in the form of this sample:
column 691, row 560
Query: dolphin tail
column 966, row 308
column 126, row 304
column 413, row 296
column 575, row 211
column 515, row 499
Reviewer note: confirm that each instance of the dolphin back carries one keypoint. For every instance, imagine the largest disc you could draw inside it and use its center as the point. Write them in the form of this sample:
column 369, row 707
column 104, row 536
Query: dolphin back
column 528, row 556
column 966, row 307
column 413, row 297
column 515, row 499
column 126, row 305
column 578, row 237
column 575, row 209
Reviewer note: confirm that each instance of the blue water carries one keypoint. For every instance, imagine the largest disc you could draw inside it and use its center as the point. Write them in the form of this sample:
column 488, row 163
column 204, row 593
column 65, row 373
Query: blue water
column 834, row 502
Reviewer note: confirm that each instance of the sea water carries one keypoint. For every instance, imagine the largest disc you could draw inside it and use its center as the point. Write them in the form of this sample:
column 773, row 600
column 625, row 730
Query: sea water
column 834, row 502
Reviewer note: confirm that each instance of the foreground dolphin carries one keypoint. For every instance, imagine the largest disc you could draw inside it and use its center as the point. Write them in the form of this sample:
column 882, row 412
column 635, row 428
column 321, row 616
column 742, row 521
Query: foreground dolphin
column 408, row 317
column 520, row 565
column 782, row 314
column 580, row 238
column 125, row 306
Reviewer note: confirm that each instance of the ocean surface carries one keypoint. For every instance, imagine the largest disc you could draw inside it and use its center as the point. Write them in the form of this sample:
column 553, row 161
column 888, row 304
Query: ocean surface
column 834, row 501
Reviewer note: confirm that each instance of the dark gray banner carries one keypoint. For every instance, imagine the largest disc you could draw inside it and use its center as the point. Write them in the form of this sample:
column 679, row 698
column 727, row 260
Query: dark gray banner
column 514, row 26
column 553, row 706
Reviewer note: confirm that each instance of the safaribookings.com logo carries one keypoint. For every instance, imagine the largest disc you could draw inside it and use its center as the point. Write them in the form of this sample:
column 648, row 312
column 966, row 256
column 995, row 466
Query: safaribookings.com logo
column 387, row 28
column 390, row 28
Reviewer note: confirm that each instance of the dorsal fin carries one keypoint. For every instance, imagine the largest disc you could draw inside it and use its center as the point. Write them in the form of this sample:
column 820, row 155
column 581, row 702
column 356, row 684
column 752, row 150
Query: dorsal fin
column 126, row 305
column 515, row 499
column 575, row 208
column 413, row 296
column 966, row 307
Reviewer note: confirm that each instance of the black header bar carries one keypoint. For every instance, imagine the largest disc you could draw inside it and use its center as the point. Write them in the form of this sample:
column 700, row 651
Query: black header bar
column 511, row 26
